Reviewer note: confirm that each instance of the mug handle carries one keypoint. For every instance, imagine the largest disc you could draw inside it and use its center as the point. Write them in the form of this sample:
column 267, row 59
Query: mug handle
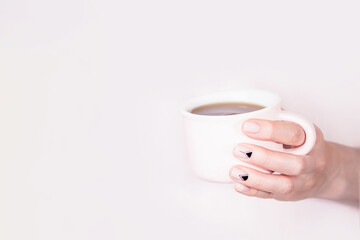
column 309, row 132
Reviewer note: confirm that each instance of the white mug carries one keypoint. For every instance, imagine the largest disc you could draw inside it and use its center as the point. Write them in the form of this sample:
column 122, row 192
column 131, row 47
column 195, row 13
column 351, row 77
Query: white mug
column 210, row 139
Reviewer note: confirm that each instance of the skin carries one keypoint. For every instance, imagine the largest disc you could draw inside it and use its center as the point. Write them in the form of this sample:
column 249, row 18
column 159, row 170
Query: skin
column 329, row 171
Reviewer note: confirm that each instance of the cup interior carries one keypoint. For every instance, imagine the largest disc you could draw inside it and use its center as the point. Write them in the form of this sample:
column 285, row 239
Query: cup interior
column 258, row 97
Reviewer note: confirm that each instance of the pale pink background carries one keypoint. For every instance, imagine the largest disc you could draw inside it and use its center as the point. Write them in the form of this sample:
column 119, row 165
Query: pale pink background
column 91, row 143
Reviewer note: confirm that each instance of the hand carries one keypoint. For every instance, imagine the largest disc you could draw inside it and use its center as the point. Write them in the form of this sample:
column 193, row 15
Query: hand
column 328, row 171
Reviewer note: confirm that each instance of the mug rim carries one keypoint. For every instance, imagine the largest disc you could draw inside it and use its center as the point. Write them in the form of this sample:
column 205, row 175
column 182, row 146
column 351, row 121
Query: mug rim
column 184, row 110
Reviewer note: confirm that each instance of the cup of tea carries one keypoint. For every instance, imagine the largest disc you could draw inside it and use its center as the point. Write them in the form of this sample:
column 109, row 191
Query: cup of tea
column 213, row 126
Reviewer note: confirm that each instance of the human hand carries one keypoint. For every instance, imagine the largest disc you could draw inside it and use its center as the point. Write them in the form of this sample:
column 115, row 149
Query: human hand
column 325, row 172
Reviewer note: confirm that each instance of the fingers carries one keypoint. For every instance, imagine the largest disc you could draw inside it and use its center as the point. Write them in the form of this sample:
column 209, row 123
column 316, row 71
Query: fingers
column 284, row 163
column 293, row 183
column 253, row 179
column 284, row 132
column 252, row 192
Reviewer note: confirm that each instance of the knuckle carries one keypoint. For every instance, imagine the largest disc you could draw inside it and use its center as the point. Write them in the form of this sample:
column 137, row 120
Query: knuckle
column 310, row 183
column 268, row 134
column 321, row 164
column 264, row 160
column 287, row 186
column 299, row 166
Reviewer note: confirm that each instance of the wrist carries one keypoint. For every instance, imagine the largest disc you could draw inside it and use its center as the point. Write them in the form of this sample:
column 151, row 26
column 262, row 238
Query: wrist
column 342, row 174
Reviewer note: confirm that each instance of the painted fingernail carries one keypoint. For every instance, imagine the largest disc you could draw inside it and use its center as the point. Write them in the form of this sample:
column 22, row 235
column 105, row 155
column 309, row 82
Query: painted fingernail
column 242, row 151
column 251, row 127
column 239, row 174
column 241, row 188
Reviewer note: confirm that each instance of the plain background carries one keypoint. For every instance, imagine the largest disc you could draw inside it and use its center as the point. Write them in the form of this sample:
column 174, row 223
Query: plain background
column 91, row 141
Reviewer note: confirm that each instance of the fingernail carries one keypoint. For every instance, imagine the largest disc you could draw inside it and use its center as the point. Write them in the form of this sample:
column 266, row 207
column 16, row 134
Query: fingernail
column 239, row 174
column 241, row 188
column 251, row 127
column 242, row 151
